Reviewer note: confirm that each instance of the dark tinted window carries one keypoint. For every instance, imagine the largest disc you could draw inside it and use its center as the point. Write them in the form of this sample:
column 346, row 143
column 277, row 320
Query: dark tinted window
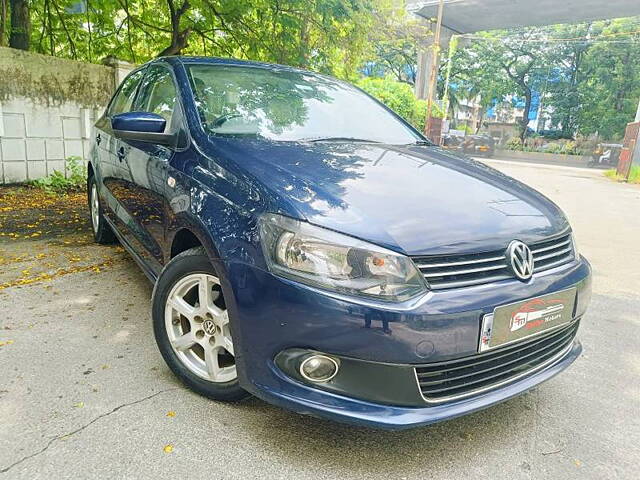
column 127, row 93
column 157, row 93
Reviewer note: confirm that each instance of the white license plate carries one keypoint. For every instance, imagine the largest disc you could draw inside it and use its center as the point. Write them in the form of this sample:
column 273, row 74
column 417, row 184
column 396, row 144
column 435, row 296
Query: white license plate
column 516, row 321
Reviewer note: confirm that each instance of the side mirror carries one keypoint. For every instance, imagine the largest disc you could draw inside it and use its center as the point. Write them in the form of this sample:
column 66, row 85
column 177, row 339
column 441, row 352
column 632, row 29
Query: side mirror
column 142, row 127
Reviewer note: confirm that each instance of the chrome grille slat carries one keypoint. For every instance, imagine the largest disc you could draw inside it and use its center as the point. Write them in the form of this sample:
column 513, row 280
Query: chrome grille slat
column 551, row 255
column 479, row 373
column 547, row 266
column 464, row 272
column 468, row 262
column 468, row 283
column 457, row 271
column 544, row 249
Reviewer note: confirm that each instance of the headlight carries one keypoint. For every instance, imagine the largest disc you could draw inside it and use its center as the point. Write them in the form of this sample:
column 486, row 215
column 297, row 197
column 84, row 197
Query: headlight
column 323, row 258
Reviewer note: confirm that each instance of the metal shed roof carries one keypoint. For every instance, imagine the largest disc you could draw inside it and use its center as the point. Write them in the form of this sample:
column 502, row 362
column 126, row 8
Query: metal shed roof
column 467, row 16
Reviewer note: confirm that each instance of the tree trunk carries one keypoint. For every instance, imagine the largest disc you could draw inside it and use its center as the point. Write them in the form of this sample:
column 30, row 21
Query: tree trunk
column 524, row 123
column 20, row 24
column 178, row 43
column 178, row 38
column 3, row 21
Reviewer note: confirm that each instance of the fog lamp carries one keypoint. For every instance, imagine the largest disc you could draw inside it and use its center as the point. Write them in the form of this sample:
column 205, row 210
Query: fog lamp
column 318, row 368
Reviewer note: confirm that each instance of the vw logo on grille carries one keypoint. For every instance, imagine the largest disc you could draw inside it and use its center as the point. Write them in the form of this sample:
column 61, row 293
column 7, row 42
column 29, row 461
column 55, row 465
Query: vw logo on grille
column 520, row 259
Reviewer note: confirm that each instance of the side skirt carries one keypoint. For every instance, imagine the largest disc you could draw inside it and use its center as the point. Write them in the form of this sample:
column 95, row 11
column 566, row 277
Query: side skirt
column 149, row 273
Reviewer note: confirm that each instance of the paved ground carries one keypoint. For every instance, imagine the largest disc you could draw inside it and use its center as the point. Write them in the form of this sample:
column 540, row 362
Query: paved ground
column 84, row 392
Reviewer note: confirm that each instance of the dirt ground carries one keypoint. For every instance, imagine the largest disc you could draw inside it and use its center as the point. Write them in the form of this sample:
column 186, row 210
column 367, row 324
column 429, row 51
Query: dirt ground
column 45, row 236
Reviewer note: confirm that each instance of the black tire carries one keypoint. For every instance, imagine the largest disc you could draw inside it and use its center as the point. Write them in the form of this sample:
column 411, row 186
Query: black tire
column 194, row 260
column 103, row 233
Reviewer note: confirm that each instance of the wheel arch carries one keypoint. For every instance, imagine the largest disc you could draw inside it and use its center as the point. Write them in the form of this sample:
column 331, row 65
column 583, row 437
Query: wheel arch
column 184, row 239
column 189, row 236
column 90, row 170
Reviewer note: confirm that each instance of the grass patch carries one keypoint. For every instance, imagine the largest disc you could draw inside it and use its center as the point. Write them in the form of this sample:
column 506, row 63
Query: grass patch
column 634, row 176
column 61, row 184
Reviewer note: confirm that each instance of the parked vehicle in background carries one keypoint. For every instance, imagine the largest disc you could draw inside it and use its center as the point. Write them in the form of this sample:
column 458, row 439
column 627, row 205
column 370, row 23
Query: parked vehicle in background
column 606, row 154
column 481, row 146
column 472, row 145
column 310, row 247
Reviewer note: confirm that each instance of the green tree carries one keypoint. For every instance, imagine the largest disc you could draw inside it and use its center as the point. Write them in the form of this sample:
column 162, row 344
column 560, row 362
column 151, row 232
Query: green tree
column 396, row 38
column 512, row 63
column 399, row 97
column 565, row 78
column 610, row 90
column 325, row 35
column 588, row 74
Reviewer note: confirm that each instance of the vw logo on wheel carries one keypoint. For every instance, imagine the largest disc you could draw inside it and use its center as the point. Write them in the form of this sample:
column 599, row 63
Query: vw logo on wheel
column 209, row 327
column 520, row 259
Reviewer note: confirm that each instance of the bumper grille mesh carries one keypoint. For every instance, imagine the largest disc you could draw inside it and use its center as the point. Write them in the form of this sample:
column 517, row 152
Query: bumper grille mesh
column 472, row 375
column 454, row 271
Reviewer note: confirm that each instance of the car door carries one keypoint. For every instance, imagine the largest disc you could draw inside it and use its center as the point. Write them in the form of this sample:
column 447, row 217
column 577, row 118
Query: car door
column 110, row 165
column 143, row 186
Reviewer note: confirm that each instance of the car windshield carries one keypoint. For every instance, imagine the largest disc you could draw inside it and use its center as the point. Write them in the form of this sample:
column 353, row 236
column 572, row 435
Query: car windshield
column 286, row 105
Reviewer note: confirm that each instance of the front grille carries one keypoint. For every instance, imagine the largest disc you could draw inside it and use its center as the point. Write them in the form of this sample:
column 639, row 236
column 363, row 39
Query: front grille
column 454, row 271
column 469, row 376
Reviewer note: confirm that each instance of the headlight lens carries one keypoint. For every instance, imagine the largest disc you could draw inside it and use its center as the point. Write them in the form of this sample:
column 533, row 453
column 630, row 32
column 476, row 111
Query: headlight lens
column 323, row 258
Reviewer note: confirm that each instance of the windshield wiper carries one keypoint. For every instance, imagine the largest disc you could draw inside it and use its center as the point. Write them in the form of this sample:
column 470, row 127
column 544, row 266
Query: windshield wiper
column 338, row 139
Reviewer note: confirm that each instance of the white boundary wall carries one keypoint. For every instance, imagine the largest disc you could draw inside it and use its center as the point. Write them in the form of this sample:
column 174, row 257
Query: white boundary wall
column 47, row 109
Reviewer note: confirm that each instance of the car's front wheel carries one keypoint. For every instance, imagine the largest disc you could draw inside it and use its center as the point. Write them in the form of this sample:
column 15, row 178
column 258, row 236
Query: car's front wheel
column 191, row 326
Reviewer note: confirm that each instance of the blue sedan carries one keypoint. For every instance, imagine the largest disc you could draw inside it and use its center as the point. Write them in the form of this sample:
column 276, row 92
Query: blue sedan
column 311, row 248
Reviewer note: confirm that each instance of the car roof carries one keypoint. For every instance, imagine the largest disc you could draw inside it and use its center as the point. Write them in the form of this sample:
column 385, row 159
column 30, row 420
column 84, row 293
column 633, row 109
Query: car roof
column 189, row 60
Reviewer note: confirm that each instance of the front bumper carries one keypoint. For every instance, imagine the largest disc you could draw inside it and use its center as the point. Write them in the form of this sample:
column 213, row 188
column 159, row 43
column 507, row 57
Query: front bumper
column 272, row 315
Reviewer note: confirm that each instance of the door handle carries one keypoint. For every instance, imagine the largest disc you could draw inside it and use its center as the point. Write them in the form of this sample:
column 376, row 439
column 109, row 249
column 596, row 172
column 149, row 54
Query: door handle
column 98, row 139
column 121, row 153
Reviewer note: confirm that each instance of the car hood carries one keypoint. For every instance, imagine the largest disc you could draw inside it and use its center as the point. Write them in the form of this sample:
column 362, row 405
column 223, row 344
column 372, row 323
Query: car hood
column 417, row 200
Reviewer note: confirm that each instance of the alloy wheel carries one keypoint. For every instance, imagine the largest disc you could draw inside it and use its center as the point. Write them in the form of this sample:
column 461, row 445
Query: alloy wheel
column 197, row 324
column 95, row 208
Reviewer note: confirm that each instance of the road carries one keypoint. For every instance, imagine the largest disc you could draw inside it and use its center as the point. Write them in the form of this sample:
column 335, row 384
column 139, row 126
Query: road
column 84, row 392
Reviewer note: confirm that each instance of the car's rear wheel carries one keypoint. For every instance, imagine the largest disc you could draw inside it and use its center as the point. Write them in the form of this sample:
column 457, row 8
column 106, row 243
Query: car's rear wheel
column 191, row 326
column 102, row 232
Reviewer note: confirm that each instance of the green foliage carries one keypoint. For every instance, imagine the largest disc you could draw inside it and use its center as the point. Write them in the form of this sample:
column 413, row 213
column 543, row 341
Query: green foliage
column 559, row 148
column 396, row 37
column 324, row 35
column 514, row 143
column 399, row 97
column 634, row 175
column 501, row 63
column 58, row 183
column 554, row 148
column 589, row 86
column 570, row 148
column 610, row 90
column 466, row 129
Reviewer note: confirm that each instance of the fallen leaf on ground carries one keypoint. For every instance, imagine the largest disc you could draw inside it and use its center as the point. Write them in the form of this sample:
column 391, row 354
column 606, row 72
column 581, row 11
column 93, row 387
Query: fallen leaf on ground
column 171, row 413
column 168, row 448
